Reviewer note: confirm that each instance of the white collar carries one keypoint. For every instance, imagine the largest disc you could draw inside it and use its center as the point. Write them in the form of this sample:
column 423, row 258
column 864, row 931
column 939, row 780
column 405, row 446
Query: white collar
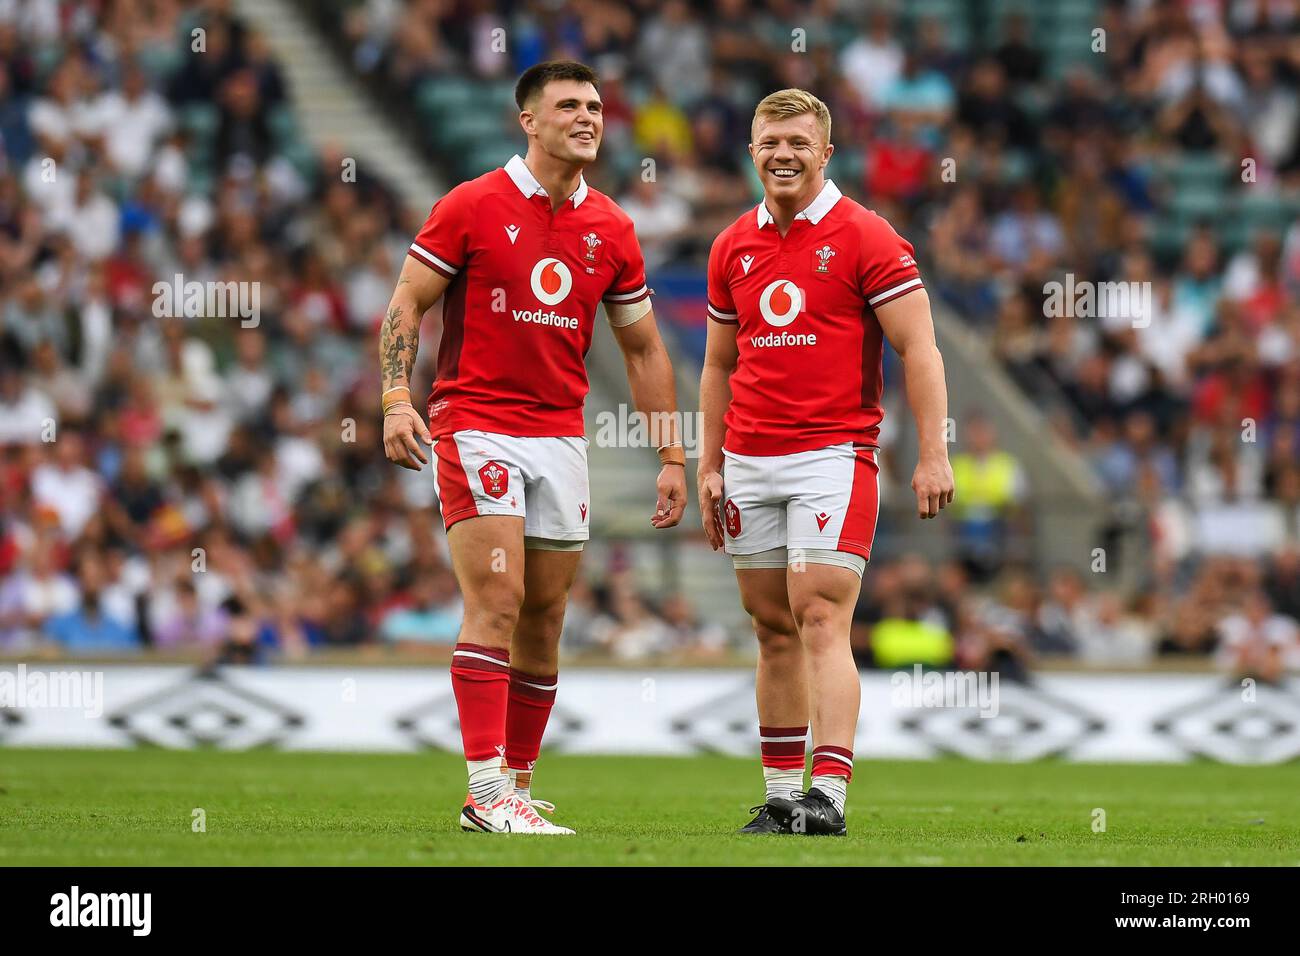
column 523, row 177
column 814, row 211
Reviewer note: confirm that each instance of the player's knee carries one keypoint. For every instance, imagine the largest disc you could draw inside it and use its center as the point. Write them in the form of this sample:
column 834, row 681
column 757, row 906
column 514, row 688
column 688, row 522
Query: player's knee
column 542, row 617
column 777, row 637
column 494, row 615
column 819, row 619
column 496, row 622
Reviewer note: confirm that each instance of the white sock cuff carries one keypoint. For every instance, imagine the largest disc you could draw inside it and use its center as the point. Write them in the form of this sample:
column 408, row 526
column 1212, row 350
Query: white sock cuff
column 782, row 783
column 834, row 786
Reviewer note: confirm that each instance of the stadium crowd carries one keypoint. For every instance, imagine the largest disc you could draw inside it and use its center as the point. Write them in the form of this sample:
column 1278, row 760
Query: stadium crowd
column 141, row 448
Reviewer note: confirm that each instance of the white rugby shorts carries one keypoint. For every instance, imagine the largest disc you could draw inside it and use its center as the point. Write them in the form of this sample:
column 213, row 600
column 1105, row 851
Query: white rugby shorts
column 542, row 480
column 824, row 499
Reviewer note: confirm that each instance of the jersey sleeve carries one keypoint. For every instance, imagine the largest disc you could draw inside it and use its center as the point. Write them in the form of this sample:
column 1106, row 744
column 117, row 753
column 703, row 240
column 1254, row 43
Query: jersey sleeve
column 629, row 286
column 888, row 269
column 722, row 308
column 442, row 243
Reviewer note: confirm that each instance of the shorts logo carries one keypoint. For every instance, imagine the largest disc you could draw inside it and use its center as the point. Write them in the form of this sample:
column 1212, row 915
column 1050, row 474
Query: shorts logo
column 495, row 479
column 780, row 303
column 821, row 521
column 551, row 281
column 583, row 509
column 732, row 515
column 823, row 257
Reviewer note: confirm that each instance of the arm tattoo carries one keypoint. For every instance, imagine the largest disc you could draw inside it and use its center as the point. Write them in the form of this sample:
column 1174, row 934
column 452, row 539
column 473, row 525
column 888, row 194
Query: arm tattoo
column 398, row 343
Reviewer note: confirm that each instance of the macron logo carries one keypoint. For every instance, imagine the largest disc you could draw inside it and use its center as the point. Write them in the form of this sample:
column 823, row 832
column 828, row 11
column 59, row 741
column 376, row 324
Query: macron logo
column 133, row 910
column 746, row 262
column 513, row 232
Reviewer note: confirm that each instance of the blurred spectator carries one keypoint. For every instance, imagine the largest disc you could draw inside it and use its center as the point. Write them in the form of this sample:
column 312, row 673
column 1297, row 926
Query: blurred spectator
column 33, row 593
column 675, row 47
column 874, row 60
column 1111, row 635
column 691, row 635
column 1062, row 615
column 628, row 630
column 660, row 217
column 1282, row 581
column 1257, row 642
column 1188, row 633
column 89, row 628
column 987, row 510
column 433, row 615
column 66, row 486
column 186, row 623
column 898, row 623
column 25, row 413
column 134, row 120
column 1020, row 60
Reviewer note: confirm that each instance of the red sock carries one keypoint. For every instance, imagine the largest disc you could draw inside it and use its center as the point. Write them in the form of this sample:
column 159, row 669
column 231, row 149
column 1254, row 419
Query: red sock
column 480, row 678
column 783, row 747
column 531, row 700
column 833, row 762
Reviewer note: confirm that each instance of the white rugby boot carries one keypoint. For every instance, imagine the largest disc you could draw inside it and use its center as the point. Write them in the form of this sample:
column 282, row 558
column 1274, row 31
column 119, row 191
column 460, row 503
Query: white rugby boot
column 528, row 820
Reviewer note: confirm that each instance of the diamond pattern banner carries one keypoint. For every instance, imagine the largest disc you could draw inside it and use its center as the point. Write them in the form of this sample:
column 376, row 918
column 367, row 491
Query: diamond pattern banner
column 1081, row 717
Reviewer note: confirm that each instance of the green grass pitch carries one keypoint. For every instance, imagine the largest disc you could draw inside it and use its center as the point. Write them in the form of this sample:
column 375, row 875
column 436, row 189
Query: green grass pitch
column 64, row 807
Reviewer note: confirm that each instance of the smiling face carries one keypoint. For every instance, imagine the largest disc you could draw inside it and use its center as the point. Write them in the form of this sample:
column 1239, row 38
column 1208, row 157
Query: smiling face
column 790, row 154
column 566, row 118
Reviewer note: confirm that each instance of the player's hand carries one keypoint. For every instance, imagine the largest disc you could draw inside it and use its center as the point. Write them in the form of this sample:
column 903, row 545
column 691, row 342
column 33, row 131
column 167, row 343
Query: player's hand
column 404, row 429
column 933, row 484
column 671, row 487
column 710, row 483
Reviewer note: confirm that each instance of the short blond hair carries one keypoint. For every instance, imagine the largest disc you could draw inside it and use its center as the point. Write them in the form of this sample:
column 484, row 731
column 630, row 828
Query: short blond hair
column 786, row 103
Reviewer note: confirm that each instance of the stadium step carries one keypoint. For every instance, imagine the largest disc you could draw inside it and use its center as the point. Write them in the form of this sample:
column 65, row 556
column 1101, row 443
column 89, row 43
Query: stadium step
column 332, row 107
column 622, row 494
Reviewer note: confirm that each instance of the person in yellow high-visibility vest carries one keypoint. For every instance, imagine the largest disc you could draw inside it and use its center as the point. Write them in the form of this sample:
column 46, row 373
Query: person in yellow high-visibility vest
column 993, row 487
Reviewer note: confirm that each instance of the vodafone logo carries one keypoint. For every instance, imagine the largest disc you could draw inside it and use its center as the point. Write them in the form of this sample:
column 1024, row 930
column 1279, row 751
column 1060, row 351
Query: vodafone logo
column 780, row 303
column 551, row 281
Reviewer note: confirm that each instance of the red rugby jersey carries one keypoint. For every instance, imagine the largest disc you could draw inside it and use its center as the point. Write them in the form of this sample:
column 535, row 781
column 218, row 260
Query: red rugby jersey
column 810, row 346
column 520, row 310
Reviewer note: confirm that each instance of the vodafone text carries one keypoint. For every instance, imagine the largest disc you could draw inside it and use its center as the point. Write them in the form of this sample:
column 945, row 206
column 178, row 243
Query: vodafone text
column 779, row 339
column 538, row 317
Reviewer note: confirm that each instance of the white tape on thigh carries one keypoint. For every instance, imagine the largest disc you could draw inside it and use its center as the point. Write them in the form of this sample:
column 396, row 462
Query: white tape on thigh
column 532, row 543
column 772, row 558
column 839, row 559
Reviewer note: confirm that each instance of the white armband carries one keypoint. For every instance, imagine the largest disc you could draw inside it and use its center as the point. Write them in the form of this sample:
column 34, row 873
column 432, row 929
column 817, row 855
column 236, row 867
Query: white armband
column 625, row 313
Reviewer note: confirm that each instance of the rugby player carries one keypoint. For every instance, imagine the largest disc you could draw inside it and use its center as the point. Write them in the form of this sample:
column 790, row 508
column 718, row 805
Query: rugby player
column 802, row 291
column 520, row 258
